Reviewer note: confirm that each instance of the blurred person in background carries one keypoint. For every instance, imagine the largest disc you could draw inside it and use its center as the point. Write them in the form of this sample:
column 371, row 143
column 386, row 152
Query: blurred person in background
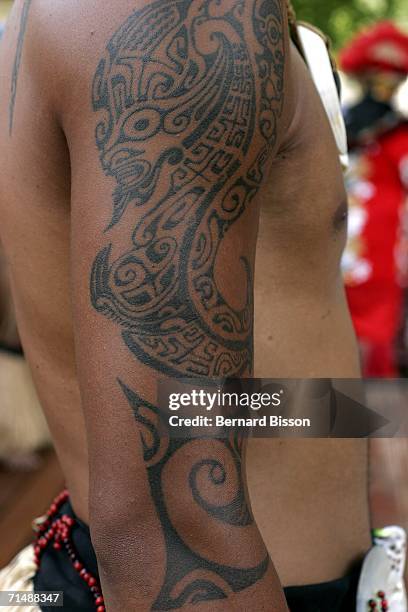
column 375, row 259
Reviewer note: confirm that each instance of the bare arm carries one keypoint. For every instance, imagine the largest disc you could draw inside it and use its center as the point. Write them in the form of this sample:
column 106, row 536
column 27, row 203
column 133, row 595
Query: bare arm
column 186, row 107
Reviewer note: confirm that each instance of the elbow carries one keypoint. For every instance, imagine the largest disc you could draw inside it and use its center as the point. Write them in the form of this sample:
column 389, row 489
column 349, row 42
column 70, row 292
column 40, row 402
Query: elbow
column 129, row 547
column 121, row 510
column 116, row 530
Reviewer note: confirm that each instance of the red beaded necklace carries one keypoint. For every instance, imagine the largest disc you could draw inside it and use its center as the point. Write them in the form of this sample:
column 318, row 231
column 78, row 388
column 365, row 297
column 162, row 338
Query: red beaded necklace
column 58, row 531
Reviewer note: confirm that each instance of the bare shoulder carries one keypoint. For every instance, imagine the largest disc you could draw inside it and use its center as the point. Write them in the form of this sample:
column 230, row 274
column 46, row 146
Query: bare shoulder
column 49, row 47
column 70, row 68
column 65, row 41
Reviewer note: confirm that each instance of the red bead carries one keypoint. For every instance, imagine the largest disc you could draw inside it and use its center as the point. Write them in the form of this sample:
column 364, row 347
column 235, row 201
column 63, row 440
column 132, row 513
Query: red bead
column 57, row 546
column 53, row 508
column 384, row 604
column 99, row 600
column 78, row 566
column 82, row 572
column 86, row 576
column 42, row 542
column 91, row 581
column 372, row 604
column 37, row 550
column 381, row 594
column 100, row 609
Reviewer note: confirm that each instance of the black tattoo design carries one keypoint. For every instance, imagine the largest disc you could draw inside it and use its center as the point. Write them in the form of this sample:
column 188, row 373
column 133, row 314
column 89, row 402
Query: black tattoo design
column 187, row 119
column 209, row 478
column 17, row 62
column 179, row 72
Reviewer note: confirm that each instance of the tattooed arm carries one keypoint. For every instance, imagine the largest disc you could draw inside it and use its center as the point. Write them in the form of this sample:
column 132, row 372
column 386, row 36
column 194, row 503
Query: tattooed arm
column 187, row 100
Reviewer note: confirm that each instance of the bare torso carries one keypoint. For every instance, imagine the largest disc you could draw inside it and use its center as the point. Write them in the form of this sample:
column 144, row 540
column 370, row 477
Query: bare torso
column 309, row 497
column 317, row 489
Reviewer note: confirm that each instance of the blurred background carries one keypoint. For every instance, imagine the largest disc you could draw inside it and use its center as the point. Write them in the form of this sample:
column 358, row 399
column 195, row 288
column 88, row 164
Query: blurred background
column 29, row 472
column 340, row 19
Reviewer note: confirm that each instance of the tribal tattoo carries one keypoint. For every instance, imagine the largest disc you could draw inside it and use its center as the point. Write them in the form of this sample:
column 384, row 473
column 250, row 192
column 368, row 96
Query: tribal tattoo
column 180, row 71
column 17, row 61
column 212, row 476
column 187, row 112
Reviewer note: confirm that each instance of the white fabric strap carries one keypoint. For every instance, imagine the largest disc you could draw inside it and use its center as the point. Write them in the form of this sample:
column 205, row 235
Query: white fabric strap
column 318, row 61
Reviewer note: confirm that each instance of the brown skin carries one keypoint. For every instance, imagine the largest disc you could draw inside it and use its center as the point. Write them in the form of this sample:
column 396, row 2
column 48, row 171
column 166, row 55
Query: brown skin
column 8, row 331
column 50, row 222
column 303, row 329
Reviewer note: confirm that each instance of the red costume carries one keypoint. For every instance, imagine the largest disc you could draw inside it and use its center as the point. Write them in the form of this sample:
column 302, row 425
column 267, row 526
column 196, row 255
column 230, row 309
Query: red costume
column 375, row 258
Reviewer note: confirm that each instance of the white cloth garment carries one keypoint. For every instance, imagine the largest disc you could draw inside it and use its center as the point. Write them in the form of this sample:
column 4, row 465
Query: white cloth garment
column 18, row 576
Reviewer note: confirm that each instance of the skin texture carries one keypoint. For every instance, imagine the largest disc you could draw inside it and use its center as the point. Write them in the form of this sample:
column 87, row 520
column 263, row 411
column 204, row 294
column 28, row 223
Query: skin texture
column 74, row 225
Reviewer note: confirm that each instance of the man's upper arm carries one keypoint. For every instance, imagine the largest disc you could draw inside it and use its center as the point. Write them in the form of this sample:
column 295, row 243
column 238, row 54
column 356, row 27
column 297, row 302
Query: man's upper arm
column 186, row 102
column 170, row 136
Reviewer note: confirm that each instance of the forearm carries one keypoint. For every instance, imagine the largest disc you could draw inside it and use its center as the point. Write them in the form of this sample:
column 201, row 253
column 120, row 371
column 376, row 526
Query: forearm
column 191, row 538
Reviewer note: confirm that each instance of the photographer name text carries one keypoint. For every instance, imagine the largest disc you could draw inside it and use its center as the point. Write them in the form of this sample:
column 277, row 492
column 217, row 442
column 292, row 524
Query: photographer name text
column 221, row 421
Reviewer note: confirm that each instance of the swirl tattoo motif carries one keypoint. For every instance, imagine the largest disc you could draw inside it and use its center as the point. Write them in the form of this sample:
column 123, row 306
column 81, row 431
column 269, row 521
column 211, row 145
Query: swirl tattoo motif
column 188, row 116
column 209, row 481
